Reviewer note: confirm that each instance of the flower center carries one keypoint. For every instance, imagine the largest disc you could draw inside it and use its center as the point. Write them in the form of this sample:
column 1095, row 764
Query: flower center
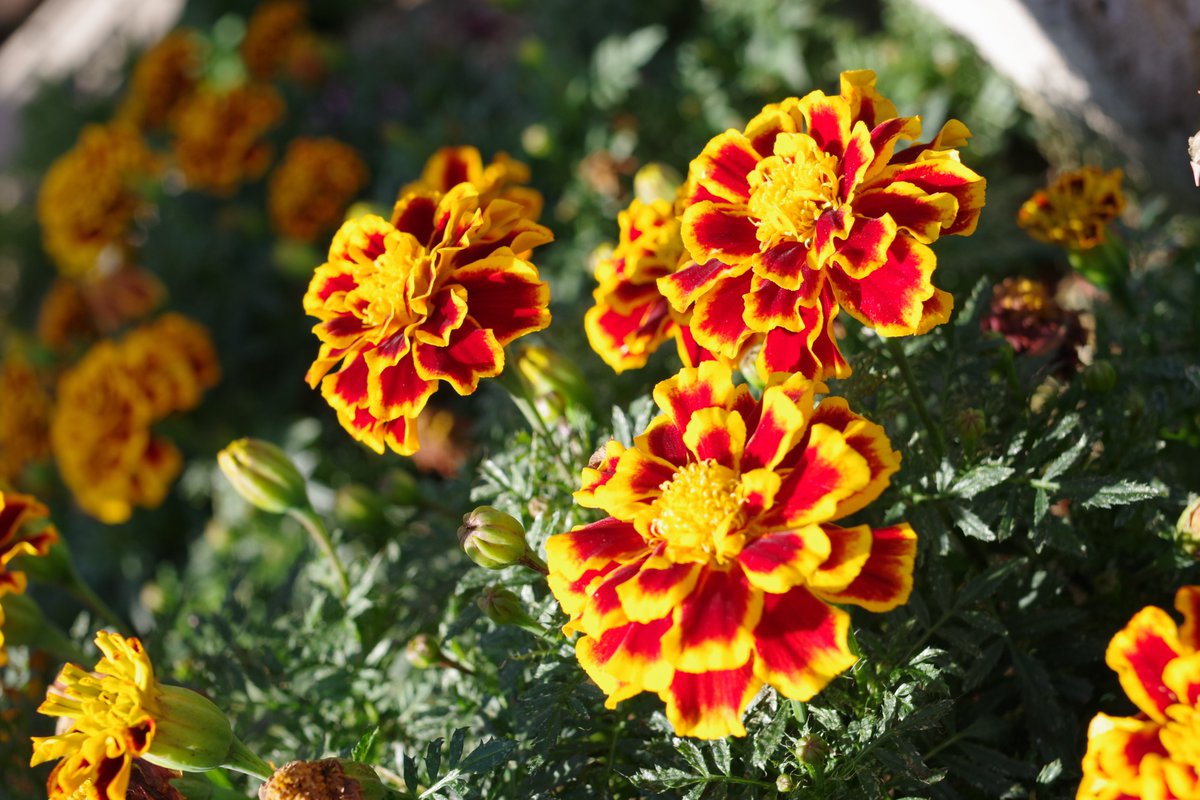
column 699, row 514
column 385, row 288
column 791, row 189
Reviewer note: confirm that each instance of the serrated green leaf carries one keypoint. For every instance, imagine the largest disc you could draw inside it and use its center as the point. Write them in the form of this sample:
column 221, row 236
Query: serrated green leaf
column 433, row 758
column 1093, row 494
column 362, row 748
column 1065, row 460
column 488, row 756
column 692, row 755
column 768, row 739
column 983, row 585
column 980, row 479
column 970, row 524
column 456, row 747
column 722, row 756
column 410, row 773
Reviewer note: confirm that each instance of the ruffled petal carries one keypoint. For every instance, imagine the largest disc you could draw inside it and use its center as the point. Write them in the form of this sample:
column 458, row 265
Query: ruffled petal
column 828, row 471
column 716, row 434
column 710, row 705
column 569, row 555
column 891, row 299
column 723, row 166
column 505, row 295
column 1139, row 653
column 718, row 319
column 1113, row 765
column 719, row 231
column 709, row 385
column 801, row 643
column 884, row 580
column 694, row 279
column 919, row 213
column 627, row 659
column 714, row 625
column 471, row 354
column 779, row 561
column 779, row 427
column 658, row 588
column 866, row 247
column 868, row 440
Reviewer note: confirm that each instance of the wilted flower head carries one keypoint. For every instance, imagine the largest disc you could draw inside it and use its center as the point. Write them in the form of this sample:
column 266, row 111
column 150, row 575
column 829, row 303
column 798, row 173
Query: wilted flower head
column 434, row 294
column 101, row 432
column 1025, row 312
column 812, row 209
column 1075, row 210
column 119, row 712
column 1155, row 753
column 90, row 197
column 163, row 77
column 24, row 531
column 718, row 566
column 309, row 191
column 327, row 779
column 218, row 136
column 503, row 178
column 24, row 416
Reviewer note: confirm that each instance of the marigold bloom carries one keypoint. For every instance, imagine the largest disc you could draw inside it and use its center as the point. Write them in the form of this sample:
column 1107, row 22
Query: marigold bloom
column 101, row 432
column 309, row 191
column 1075, row 210
column 1025, row 312
column 277, row 39
column 23, row 532
column 715, row 572
column 432, row 295
column 812, row 209
column 24, row 417
column 218, row 136
column 1157, row 752
column 89, row 198
column 503, row 178
column 118, row 712
column 164, row 76
column 631, row 318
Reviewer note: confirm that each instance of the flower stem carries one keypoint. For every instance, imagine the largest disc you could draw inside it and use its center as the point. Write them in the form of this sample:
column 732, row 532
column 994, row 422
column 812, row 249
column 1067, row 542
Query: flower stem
column 914, row 393
column 532, row 561
column 240, row 759
column 316, row 528
column 86, row 595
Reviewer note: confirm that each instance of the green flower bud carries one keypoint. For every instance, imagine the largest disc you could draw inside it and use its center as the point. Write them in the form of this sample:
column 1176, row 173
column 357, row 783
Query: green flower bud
column 1187, row 529
column 191, row 734
column 263, row 475
column 970, row 424
column 423, row 652
column 550, row 381
column 503, row 607
column 492, row 539
column 656, row 181
column 811, row 750
column 1100, row 377
column 323, row 780
column 784, row 784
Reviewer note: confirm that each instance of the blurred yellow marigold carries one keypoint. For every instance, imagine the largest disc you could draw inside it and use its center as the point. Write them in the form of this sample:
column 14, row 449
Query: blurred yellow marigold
column 89, row 198
column 101, row 432
column 24, row 417
column 278, row 39
column 310, row 189
column 164, row 76
column 503, row 178
column 218, row 136
column 24, row 531
column 80, row 310
column 1075, row 210
column 434, row 294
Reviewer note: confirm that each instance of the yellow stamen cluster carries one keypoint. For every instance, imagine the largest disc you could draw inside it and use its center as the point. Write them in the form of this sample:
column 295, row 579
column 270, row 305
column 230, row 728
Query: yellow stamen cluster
column 699, row 513
column 790, row 190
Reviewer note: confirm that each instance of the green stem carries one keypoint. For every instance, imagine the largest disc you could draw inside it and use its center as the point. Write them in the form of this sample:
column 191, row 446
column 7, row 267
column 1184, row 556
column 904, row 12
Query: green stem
column 85, row 594
column 531, row 560
column 914, row 394
column 316, row 528
column 240, row 759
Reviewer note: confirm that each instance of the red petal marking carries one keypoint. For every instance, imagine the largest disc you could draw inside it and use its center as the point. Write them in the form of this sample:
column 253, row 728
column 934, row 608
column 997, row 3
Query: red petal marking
column 657, row 589
column 718, row 319
column 603, row 609
column 1187, row 603
column 849, row 549
column 347, row 387
column 886, row 135
column 1182, row 677
column 471, row 355
column 800, row 643
column 456, row 166
column 592, row 478
column 866, row 248
column 891, row 299
column 721, row 231
column 857, row 88
column 506, row 296
column 717, row 434
column 868, row 440
column 828, row 121
column 709, row 385
column 1139, row 653
column 683, row 287
column 779, row 426
column 414, row 215
column 935, row 311
column 941, row 173
column 572, row 595
column 785, row 264
column 15, row 509
column 832, row 227
column 630, row 654
column 827, row 471
column 774, row 119
column 635, row 480
column 447, row 310
column 625, row 340
column 401, row 390
column 691, row 354
column 777, row 562
column 341, row 331
column 886, row 578
column 921, row 214
column 709, row 705
column 857, row 158
column 591, row 546
column 400, row 435
column 723, row 166
column 715, row 622
column 768, row 307
column 323, row 286
column 663, row 439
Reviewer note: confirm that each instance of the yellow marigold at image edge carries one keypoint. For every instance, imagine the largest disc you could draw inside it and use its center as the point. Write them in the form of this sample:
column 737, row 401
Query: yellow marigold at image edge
column 24, row 531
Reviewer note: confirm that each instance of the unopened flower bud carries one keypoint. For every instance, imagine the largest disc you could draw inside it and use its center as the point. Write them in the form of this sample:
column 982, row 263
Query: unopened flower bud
column 1100, row 377
column 492, row 539
column 784, row 784
column 551, row 381
column 422, row 651
column 503, row 607
column 811, row 750
column 656, row 181
column 327, row 779
column 1187, row 529
column 970, row 424
column 263, row 475
column 191, row 734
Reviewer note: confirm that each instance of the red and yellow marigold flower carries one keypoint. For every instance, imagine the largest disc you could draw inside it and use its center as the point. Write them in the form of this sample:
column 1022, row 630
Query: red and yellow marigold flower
column 101, row 434
column 24, row 531
column 432, row 295
column 164, row 76
column 117, row 713
column 631, row 318
column 314, row 183
column 218, row 136
column 503, row 178
column 812, row 209
column 1075, row 210
column 91, row 196
column 716, row 571
column 1155, row 754
column 24, row 417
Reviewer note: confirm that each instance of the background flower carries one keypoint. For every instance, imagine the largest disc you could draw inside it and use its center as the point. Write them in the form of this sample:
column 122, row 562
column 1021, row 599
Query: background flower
column 218, row 136
column 24, row 531
column 1075, row 210
column 311, row 187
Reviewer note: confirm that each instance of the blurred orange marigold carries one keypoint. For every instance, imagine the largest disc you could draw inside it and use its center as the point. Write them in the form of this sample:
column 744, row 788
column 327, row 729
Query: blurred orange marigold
column 163, row 77
column 308, row 192
column 1075, row 210
column 218, row 136
column 24, row 417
